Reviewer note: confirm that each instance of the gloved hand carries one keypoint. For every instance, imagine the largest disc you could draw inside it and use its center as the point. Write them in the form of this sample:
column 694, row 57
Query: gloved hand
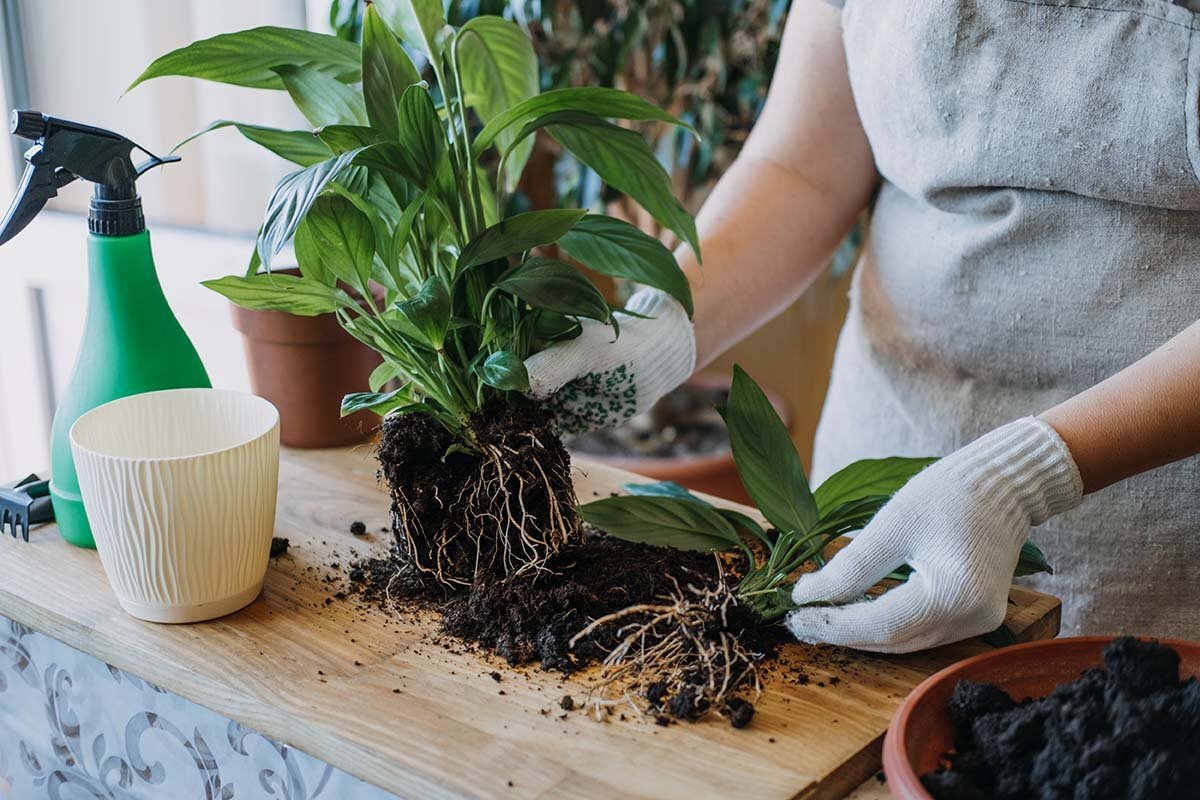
column 960, row 525
column 592, row 381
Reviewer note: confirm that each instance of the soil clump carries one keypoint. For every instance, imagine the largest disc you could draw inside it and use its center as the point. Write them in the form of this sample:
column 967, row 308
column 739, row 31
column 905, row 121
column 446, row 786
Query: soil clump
column 1129, row 730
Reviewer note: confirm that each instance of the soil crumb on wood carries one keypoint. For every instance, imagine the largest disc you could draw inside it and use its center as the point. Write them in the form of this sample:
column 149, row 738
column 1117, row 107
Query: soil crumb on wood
column 1130, row 730
column 279, row 546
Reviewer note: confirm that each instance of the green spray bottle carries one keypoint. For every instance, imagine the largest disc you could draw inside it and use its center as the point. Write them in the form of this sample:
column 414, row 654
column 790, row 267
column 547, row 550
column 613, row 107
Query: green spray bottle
column 132, row 342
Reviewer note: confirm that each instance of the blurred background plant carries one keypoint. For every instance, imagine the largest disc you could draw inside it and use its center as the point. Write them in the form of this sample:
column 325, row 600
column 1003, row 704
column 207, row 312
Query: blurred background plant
column 709, row 62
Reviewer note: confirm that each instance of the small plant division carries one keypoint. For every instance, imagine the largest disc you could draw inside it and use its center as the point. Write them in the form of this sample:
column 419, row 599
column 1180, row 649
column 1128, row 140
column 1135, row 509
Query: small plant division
column 404, row 182
column 693, row 648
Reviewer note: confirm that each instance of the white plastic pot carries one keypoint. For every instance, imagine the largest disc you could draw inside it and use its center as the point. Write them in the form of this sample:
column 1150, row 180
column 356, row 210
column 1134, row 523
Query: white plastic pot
column 179, row 488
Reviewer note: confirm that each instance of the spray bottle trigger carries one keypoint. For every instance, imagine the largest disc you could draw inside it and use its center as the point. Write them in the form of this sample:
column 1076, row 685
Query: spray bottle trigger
column 154, row 161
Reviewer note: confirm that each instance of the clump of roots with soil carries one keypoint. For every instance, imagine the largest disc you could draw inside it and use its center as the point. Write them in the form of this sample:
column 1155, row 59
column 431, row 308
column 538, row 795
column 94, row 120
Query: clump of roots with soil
column 463, row 516
column 691, row 651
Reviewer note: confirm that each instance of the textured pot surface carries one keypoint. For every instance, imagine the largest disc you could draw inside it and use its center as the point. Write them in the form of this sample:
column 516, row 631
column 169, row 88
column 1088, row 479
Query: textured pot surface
column 304, row 366
column 180, row 488
column 921, row 732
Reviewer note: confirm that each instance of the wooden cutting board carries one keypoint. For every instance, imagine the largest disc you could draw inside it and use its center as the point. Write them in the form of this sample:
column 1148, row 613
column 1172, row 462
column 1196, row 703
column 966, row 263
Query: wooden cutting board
column 388, row 700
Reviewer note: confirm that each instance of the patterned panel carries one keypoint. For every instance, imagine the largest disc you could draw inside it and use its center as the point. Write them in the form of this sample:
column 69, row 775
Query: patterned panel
column 74, row 727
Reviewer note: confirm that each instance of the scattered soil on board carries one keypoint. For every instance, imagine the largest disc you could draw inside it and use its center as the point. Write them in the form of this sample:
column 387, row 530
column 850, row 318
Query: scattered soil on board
column 462, row 517
column 528, row 619
column 1130, row 730
column 682, row 423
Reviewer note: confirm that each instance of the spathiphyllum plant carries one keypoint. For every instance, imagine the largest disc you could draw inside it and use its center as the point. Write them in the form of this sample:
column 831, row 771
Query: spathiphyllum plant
column 403, row 185
column 805, row 521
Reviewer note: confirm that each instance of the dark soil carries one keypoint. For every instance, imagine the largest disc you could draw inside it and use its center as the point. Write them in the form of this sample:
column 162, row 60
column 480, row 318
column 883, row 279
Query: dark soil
column 279, row 546
column 528, row 620
column 525, row 621
column 683, row 423
column 465, row 517
column 1131, row 730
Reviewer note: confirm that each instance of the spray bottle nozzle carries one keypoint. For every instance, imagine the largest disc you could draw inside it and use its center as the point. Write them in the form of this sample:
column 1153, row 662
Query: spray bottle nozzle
column 65, row 150
column 27, row 124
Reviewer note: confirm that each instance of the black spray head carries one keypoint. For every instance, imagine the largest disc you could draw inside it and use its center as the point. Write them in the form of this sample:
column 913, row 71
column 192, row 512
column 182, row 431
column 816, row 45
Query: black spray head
column 65, row 150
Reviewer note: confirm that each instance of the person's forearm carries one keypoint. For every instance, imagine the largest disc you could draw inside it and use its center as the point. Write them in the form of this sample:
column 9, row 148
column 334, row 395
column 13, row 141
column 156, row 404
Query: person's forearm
column 1143, row 417
column 760, row 254
column 776, row 216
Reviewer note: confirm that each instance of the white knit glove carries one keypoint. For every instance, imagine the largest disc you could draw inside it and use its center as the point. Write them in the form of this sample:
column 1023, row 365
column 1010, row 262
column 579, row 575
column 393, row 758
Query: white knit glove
column 598, row 380
column 960, row 525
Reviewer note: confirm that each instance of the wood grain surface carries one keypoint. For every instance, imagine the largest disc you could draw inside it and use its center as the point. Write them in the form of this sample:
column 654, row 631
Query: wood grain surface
column 385, row 698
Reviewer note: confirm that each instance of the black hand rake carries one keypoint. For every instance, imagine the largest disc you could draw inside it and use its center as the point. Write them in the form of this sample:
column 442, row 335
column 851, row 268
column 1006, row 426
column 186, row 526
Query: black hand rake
column 25, row 503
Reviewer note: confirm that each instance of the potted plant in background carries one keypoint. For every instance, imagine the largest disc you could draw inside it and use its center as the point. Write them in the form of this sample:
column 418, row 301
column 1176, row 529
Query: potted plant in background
column 305, row 366
column 406, row 187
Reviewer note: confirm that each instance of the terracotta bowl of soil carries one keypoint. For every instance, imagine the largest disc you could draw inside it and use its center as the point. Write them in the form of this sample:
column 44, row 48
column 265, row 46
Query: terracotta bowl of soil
column 682, row 439
column 921, row 732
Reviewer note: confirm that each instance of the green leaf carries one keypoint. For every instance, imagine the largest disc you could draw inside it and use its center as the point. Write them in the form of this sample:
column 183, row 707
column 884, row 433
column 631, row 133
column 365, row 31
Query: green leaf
column 555, row 286
column 662, row 489
column 517, row 234
column 344, row 239
column 767, row 461
column 1032, row 561
column 549, row 326
column 499, row 70
column 403, row 230
column 387, row 71
column 321, row 99
column 308, row 255
column 601, row 101
column 865, row 478
column 422, row 138
column 266, row 291
column 342, row 138
column 418, row 23
column 380, row 376
column 290, row 201
column 851, row 515
column 613, row 247
column 249, row 58
column 672, row 489
column 381, row 404
column 504, row 370
column 625, row 162
column 662, row 521
column 429, row 311
column 299, row 147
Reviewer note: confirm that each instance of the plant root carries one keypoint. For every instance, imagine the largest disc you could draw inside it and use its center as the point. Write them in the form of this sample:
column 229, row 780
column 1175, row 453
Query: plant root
column 502, row 511
column 685, row 656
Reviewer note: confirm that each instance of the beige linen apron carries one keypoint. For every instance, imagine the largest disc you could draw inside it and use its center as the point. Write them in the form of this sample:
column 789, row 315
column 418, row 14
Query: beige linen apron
column 1038, row 229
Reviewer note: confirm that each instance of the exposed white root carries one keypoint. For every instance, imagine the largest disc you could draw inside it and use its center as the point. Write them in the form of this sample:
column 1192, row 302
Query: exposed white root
column 682, row 644
column 517, row 518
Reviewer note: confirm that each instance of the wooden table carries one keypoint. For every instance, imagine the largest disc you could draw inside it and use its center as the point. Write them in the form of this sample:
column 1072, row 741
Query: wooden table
column 322, row 674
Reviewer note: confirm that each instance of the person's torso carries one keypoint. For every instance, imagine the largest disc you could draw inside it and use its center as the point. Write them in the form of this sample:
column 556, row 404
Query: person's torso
column 1037, row 231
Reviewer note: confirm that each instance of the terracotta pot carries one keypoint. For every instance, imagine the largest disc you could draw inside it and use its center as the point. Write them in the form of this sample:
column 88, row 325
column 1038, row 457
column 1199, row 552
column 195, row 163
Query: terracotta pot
column 305, row 365
column 712, row 473
column 921, row 731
